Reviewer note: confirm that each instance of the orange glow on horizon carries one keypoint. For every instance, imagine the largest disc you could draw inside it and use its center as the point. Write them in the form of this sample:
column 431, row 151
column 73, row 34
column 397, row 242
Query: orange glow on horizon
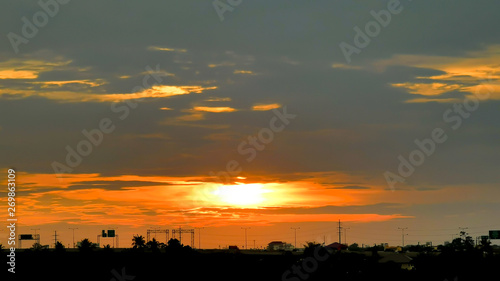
column 93, row 199
column 242, row 195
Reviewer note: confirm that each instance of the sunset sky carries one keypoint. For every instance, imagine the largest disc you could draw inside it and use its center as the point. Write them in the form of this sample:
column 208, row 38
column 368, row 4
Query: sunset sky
column 173, row 96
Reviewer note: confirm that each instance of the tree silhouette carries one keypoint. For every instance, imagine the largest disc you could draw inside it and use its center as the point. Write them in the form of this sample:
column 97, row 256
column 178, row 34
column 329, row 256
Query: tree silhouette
column 107, row 249
column 486, row 246
column 155, row 245
column 86, row 245
column 354, row 247
column 462, row 243
column 60, row 247
column 138, row 242
column 36, row 246
column 309, row 248
column 174, row 244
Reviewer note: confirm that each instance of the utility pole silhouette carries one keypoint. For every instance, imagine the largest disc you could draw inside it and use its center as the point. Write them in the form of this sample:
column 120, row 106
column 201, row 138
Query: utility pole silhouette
column 345, row 234
column 403, row 234
column 295, row 229
column 245, row 228
column 184, row 230
column 340, row 233
column 180, row 235
column 73, row 228
column 35, row 229
column 55, row 238
column 116, row 237
column 199, row 236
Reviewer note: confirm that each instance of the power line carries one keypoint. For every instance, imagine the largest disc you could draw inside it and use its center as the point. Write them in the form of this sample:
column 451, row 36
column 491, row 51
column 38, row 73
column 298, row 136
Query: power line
column 345, row 234
column 245, row 228
column 73, row 228
column 55, row 238
column 295, row 229
column 403, row 234
column 199, row 236
column 340, row 233
column 35, row 229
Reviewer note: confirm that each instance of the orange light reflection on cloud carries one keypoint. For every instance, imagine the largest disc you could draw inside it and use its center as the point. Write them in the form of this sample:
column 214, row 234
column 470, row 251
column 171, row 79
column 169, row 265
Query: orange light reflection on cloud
column 155, row 92
column 18, row 74
column 47, row 84
column 214, row 109
column 72, row 96
column 265, row 107
column 243, row 72
column 432, row 89
column 479, row 68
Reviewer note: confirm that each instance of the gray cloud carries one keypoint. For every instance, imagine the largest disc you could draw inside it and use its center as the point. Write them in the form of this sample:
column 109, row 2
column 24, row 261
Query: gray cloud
column 349, row 119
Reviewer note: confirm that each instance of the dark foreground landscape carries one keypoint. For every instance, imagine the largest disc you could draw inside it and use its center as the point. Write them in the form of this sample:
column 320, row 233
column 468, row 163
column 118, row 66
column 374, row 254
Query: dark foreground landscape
column 315, row 263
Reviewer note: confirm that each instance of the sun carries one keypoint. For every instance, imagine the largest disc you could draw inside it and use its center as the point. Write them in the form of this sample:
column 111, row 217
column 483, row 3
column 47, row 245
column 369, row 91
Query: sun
column 241, row 194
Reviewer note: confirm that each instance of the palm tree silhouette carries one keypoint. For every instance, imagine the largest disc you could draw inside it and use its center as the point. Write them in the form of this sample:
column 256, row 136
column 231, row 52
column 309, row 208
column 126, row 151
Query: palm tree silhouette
column 154, row 245
column 138, row 242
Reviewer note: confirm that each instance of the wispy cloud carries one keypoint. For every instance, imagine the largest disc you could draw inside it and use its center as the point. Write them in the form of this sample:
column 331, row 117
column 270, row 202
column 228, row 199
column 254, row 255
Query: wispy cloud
column 265, row 107
column 30, row 68
column 214, row 109
column 166, row 49
column 222, row 64
column 345, row 66
column 249, row 72
column 218, row 99
column 161, row 91
column 463, row 74
column 430, row 89
column 18, row 74
column 87, row 82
